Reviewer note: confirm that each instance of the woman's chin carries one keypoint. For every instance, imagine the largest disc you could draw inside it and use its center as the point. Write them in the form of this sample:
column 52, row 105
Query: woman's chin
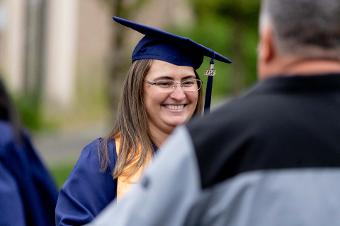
column 177, row 121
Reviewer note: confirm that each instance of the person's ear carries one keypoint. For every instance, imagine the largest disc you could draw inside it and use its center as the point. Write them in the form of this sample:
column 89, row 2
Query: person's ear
column 266, row 53
column 266, row 47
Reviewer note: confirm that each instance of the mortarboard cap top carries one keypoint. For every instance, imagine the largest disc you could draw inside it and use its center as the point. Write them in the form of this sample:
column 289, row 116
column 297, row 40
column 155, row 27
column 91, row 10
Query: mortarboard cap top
column 175, row 49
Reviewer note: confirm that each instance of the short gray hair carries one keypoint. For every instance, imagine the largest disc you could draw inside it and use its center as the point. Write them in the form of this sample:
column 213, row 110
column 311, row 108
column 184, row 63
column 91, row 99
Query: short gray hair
column 307, row 28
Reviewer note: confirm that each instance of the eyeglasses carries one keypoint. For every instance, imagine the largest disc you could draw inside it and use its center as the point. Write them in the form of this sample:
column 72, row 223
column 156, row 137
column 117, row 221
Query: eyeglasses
column 168, row 85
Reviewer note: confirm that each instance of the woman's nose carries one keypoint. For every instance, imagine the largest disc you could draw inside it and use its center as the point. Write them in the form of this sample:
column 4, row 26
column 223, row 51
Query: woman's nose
column 178, row 93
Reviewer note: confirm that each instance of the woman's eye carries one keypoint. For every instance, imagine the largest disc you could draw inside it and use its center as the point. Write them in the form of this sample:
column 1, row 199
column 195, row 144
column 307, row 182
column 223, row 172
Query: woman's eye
column 188, row 83
column 165, row 83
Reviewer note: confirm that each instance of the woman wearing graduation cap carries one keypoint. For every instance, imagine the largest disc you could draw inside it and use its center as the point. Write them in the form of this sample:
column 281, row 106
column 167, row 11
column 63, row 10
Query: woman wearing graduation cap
column 28, row 193
column 161, row 90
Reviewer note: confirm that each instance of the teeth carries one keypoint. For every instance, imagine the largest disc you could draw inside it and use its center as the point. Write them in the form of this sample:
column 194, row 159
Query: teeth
column 175, row 107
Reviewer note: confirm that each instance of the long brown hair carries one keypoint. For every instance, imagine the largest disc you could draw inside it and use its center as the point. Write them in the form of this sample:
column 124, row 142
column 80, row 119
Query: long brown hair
column 131, row 124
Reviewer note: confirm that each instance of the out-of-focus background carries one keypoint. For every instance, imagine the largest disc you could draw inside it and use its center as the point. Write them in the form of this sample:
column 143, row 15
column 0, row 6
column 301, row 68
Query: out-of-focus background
column 64, row 61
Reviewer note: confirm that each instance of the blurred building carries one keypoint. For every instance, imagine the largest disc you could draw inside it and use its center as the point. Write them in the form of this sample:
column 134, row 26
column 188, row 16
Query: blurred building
column 59, row 48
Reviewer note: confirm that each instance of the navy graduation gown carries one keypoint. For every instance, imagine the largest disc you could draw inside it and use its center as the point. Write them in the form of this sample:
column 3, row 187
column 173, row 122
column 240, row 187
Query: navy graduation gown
column 88, row 190
column 27, row 192
column 12, row 211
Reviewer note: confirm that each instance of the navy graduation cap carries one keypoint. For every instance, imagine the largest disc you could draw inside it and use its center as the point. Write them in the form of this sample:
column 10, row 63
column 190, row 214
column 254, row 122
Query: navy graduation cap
column 161, row 45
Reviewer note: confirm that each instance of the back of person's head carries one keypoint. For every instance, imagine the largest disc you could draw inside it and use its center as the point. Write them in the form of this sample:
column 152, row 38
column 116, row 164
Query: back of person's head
column 304, row 28
column 7, row 110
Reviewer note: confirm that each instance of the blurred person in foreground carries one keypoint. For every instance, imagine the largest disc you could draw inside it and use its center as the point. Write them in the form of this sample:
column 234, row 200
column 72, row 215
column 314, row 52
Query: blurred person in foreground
column 269, row 157
column 27, row 191
column 161, row 91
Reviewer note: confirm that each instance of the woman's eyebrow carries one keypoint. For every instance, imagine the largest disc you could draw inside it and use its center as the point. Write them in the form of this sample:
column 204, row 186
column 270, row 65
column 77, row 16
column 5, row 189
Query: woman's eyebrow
column 189, row 76
column 171, row 78
column 164, row 77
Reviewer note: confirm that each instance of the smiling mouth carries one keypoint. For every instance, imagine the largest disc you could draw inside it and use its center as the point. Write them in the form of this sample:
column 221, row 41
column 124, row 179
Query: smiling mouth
column 175, row 107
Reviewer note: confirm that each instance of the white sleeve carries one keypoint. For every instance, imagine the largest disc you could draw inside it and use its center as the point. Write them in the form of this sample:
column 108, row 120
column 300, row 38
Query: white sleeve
column 165, row 193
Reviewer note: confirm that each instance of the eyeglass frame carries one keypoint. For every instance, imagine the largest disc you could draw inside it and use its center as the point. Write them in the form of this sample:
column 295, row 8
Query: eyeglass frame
column 199, row 83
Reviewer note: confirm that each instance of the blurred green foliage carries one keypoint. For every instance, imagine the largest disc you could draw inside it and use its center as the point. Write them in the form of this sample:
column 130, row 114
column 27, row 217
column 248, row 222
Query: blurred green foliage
column 61, row 172
column 230, row 28
column 29, row 111
column 31, row 115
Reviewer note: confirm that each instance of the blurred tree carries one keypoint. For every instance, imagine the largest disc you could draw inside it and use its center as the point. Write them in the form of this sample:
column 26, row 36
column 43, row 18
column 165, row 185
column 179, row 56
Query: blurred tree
column 230, row 27
column 29, row 100
column 117, row 64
